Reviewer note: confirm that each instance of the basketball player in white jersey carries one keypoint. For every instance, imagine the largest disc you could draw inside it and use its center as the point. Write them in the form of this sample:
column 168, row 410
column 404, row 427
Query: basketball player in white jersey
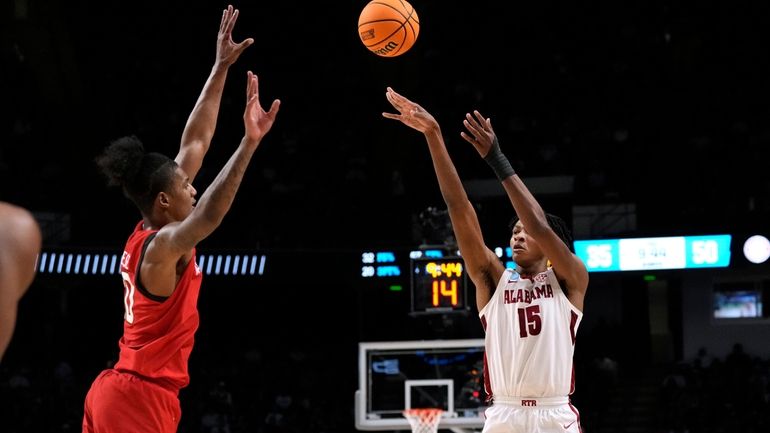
column 530, row 314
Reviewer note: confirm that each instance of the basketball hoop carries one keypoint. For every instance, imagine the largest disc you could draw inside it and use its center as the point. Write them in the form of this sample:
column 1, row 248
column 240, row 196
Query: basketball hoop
column 423, row 420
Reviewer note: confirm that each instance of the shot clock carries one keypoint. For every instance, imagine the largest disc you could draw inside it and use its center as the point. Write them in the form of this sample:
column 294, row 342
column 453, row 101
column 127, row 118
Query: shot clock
column 439, row 285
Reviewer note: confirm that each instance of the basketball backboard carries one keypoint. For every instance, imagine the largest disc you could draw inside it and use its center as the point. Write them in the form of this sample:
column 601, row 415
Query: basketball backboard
column 398, row 375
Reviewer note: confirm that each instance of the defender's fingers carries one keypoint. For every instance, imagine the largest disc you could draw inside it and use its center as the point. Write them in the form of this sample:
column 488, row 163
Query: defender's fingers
column 256, row 85
column 232, row 20
column 223, row 20
column 243, row 45
column 249, row 83
column 274, row 107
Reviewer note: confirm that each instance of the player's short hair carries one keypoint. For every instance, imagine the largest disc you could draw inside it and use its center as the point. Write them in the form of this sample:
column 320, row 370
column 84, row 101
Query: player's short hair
column 141, row 175
column 557, row 224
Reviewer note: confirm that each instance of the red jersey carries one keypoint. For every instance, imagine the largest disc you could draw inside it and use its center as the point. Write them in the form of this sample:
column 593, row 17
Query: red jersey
column 158, row 331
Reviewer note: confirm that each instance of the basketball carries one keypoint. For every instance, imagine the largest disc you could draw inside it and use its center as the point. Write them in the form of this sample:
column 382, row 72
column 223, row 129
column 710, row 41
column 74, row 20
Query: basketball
column 388, row 28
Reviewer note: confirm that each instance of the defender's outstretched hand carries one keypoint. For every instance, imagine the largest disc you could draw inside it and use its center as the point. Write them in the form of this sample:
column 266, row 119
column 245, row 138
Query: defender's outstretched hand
column 227, row 50
column 255, row 119
column 481, row 136
column 410, row 113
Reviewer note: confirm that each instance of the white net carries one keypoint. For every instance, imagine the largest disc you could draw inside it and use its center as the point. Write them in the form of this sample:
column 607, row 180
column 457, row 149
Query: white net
column 423, row 420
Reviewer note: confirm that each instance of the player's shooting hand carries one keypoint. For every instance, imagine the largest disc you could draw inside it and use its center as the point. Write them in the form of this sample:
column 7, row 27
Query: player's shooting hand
column 255, row 119
column 481, row 136
column 227, row 50
column 409, row 113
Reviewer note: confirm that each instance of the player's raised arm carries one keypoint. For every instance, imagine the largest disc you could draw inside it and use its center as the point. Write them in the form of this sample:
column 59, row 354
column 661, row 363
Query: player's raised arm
column 482, row 264
column 175, row 240
column 201, row 124
column 566, row 265
column 216, row 201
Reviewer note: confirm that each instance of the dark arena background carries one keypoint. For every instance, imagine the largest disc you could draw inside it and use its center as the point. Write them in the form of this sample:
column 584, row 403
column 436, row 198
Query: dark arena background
column 630, row 120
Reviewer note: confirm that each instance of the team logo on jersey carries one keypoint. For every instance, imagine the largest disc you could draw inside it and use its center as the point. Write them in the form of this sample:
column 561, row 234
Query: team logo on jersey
column 541, row 277
column 124, row 260
column 527, row 294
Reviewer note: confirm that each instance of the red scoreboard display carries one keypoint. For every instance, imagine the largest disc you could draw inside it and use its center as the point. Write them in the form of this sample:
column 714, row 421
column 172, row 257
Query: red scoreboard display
column 439, row 285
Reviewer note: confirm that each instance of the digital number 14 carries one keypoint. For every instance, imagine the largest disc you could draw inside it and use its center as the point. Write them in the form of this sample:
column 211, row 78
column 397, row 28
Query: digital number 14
column 440, row 289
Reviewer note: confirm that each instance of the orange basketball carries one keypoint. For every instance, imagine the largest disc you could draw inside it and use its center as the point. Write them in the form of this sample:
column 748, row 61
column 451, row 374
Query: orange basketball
column 388, row 28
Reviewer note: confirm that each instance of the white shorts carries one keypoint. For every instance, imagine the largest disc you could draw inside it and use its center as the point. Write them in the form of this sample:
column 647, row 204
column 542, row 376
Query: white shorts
column 531, row 415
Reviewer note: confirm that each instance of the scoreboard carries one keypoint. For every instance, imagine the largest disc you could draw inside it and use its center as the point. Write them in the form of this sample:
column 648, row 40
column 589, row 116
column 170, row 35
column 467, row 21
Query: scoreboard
column 643, row 254
column 438, row 285
column 436, row 277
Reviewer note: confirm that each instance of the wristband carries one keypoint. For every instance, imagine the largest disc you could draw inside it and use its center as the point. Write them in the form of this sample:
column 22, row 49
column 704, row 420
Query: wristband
column 499, row 162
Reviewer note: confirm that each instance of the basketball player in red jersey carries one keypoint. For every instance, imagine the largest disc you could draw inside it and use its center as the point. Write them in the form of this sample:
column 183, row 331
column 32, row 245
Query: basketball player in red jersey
column 530, row 314
column 20, row 243
column 160, row 277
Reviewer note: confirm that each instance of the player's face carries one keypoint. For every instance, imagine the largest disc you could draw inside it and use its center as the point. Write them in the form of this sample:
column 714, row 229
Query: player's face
column 182, row 194
column 524, row 249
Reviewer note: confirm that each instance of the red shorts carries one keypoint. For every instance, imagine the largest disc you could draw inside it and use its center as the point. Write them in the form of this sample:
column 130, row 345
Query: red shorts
column 124, row 403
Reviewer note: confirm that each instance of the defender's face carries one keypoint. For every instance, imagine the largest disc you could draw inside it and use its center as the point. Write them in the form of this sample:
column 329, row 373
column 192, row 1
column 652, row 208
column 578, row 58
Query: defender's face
column 182, row 195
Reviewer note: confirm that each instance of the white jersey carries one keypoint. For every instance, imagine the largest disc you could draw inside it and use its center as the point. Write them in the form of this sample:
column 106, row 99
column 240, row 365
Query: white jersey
column 530, row 328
